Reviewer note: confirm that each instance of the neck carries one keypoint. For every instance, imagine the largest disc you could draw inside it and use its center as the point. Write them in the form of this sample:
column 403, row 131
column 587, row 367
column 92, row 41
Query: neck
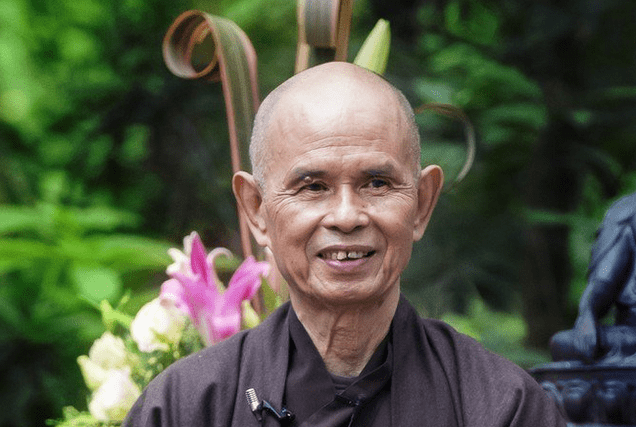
column 346, row 336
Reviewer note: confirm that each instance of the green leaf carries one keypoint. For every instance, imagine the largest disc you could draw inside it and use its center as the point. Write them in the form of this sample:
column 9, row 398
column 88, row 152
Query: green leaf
column 74, row 418
column 77, row 45
column 526, row 114
column 135, row 146
column 23, row 249
column 272, row 299
column 473, row 22
column 10, row 316
column 54, row 185
column 111, row 316
column 447, row 154
column 120, row 252
column 95, row 282
column 101, row 218
column 14, row 219
column 545, row 217
column 435, row 91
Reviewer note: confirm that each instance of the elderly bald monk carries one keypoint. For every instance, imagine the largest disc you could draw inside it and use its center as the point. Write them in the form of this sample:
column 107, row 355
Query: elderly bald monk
column 338, row 196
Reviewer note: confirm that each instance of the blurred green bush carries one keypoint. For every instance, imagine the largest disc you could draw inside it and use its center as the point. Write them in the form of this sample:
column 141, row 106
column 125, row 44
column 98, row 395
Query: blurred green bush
column 57, row 264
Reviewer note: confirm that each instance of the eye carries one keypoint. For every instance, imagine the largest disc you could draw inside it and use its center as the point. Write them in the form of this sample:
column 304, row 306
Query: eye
column 313, row 187
column 378, row 183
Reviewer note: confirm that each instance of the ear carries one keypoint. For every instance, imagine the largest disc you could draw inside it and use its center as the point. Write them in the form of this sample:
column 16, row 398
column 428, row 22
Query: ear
column 429, row 186
column 250, row 201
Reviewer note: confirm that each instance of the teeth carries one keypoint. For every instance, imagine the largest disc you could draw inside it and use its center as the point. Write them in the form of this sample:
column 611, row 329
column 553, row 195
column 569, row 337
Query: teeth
column 342, row 255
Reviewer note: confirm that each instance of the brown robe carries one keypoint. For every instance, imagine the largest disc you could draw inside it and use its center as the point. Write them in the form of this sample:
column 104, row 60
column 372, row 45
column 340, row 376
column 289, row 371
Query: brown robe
column 438, row 378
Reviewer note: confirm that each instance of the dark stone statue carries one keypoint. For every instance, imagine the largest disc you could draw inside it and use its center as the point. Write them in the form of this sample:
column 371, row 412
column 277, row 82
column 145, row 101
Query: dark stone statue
column 611, row 283
column 593, row 377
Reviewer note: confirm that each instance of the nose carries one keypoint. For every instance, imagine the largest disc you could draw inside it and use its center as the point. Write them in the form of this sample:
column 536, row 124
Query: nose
column 346, row 211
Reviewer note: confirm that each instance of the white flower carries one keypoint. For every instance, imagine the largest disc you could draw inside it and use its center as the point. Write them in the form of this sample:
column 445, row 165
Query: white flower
column 114, row 398
column 158, row 324
column 109, row 352
column 94, row 375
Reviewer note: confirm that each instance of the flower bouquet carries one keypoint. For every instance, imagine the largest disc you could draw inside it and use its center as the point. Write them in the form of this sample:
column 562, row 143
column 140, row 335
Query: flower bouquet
column 193, row 310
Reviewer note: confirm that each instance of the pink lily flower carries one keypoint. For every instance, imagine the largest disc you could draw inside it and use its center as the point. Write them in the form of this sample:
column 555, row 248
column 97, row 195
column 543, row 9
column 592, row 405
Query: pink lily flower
column 215, row 311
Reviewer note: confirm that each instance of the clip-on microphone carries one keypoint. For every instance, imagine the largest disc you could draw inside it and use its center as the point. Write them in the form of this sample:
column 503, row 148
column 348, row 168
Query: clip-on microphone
column 285, row 417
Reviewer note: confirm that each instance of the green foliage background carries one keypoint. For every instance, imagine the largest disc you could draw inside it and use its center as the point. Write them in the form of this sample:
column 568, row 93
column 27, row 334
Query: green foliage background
column 106, row 160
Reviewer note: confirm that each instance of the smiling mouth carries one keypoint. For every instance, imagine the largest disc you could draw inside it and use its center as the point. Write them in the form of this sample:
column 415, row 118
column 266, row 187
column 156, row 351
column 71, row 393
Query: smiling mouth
column 345, row 255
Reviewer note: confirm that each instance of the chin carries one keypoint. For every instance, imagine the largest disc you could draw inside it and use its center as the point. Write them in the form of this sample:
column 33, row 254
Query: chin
column 345, row 294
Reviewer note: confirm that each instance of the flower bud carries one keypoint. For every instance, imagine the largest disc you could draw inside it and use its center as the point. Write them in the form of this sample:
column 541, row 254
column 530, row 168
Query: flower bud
column 250, row 317
column 374, row 53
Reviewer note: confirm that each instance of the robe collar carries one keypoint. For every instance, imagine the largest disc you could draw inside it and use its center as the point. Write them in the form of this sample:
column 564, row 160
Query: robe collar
column 310, row 391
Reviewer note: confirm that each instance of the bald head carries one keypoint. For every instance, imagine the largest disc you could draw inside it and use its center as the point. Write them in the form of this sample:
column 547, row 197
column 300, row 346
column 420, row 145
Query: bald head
column 325, row 90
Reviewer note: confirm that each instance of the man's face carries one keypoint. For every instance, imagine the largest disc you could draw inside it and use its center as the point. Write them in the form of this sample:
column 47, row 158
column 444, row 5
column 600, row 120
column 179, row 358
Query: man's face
column 341, row 198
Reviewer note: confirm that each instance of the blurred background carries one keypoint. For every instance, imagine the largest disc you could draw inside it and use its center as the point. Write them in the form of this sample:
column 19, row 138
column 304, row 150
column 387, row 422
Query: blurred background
column 106, row 160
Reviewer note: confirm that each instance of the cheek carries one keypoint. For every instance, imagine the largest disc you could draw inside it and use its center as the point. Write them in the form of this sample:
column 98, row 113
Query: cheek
column 397, row 223
column 294, row 220
column 290, row 229
column 396, row 216
column 398, row 255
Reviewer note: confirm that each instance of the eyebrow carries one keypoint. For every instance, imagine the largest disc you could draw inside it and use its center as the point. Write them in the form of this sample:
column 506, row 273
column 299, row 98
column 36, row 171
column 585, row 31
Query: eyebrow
column 384, row 170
